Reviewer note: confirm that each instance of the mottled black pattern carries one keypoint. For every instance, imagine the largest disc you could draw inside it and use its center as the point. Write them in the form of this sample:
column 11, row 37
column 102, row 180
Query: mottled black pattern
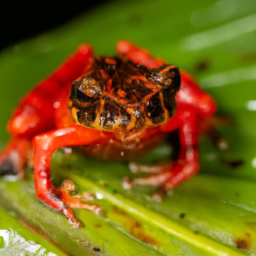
column 87, row 116
column 115, row 93
column 125, row 118
column 82, row 97
column 163, row 78
column 169, row 88
column 110, row 113
column 154, row 110
column 140, row 118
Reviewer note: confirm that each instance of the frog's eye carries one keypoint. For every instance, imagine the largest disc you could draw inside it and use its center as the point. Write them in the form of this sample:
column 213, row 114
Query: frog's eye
column 85, row 90
column 154, row 110
column 167, row 79
column 82, row 97
column 169, row 90
column 166, row 76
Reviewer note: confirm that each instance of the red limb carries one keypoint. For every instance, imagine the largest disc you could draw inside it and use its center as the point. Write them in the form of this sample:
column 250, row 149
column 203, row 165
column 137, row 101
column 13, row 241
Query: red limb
column 35, row 113
column 191, row 96
column 192, row 106
column 44, row 145
column 187, row 164
column 138, row 55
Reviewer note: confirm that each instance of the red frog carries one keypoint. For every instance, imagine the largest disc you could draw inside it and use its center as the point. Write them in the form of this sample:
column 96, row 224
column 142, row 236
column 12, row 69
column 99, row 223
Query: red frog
column 112, row 108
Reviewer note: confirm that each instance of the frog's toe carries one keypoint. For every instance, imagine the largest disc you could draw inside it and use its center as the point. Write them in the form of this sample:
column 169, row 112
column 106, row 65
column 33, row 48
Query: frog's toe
column 127, row 183
column 159, row 195
column 73, row 200
column 156, row 168
column 134, row 167
column 65, row 199
column 181, row 171
column 171, row 175
column 153, row 180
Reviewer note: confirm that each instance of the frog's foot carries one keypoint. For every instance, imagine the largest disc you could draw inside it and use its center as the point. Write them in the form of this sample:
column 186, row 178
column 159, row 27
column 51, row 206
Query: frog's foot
column 155, row 180
column 15, row 156
column 169, row 178
column 157, row 168
column 64, row 199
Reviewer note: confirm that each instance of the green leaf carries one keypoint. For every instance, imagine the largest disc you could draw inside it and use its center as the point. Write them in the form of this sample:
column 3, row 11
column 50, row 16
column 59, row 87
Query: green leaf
column 211, row 214
column 16, row 239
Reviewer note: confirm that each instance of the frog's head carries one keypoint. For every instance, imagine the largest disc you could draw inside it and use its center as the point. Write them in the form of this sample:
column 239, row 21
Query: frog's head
column 116, row 94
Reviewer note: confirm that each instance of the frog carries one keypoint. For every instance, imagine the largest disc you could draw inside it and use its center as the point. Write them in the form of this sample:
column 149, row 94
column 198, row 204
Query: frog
column 110, row 108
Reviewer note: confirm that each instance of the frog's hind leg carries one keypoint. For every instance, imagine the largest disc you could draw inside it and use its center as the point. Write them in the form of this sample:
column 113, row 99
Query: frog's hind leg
column 15, row 156
column 180, row 170
column 138, row 55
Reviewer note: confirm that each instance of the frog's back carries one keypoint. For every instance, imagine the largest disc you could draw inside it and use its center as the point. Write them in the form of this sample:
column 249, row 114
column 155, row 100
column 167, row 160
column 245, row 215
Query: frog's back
column 116, row 94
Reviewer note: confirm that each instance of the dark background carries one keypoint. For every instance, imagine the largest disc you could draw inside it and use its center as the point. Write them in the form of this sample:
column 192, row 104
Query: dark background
column 20, row 20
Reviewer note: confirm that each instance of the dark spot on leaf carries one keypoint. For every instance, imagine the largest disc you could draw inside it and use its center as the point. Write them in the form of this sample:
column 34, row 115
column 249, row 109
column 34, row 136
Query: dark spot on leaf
column 105, row 185
column 196, row 232
column 88, row 246
column 236, row 163
column 134, row 19
column 113, row 191
column 202, row 65
column 247, row 57
column 243, row 243
column 97, row 225
column 233, row 163
column 182, row 215
column 137, row 230
column 237, row 194
column 119, row 211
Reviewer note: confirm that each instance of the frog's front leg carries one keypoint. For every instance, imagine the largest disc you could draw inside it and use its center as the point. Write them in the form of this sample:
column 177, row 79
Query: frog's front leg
column 35, row 113
column 44, row 145
column 173, row 173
